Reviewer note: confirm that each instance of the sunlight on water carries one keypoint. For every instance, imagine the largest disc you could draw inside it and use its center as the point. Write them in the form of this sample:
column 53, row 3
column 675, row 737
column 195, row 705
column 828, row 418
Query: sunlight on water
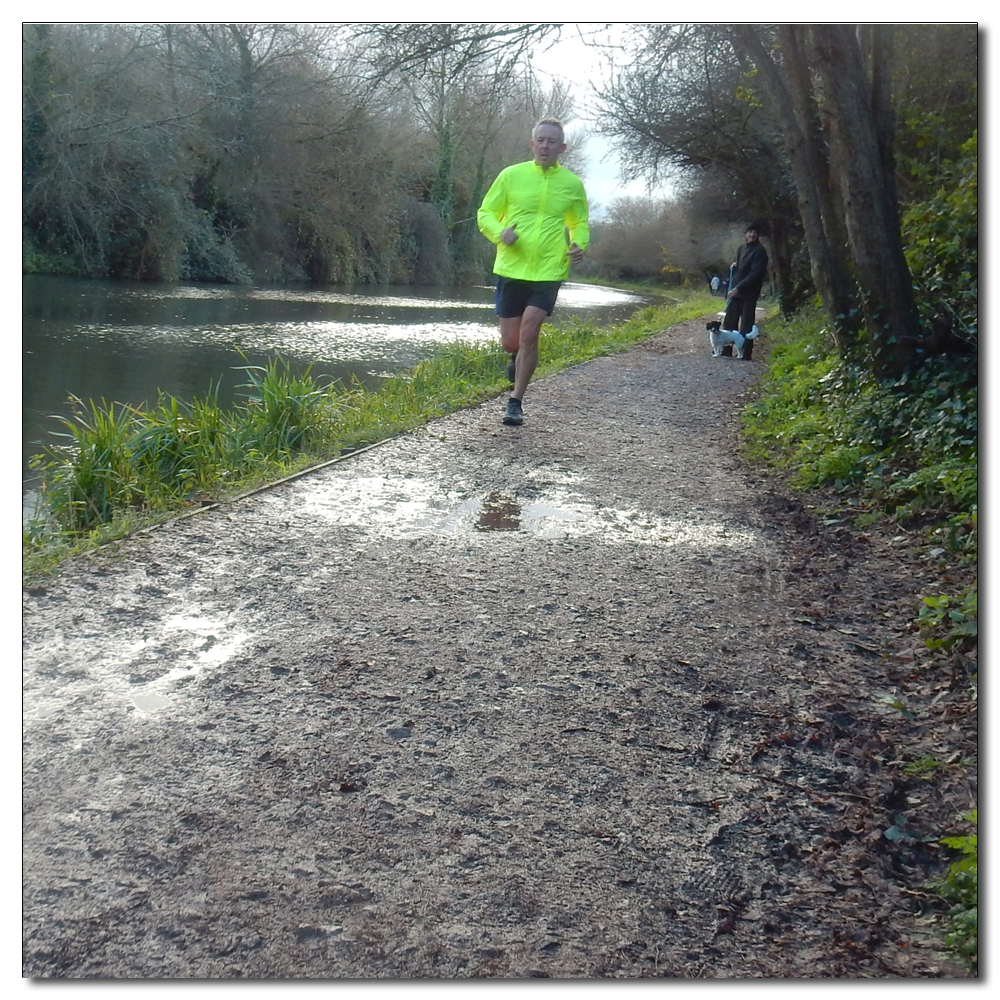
column 390, row 301
column 360, row 342
column 586, row 296
column 571, row 296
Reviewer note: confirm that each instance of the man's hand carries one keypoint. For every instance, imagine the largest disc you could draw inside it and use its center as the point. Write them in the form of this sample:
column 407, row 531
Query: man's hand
column 574, row 253
column 509, row 236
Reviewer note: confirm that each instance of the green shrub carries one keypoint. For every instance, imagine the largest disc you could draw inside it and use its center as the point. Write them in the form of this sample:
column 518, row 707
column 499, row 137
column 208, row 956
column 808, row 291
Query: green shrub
column 960, row 888
column 907, row 446
column 116, row 459
column 948, row 622
column 92, row 475
column 941, row 237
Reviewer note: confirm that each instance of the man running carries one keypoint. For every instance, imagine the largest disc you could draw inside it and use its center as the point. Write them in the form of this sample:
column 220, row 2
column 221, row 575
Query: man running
column 527, row 212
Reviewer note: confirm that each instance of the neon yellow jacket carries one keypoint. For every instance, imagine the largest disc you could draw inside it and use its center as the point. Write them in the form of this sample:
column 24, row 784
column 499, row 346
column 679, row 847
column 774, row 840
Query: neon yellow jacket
column 543, row 203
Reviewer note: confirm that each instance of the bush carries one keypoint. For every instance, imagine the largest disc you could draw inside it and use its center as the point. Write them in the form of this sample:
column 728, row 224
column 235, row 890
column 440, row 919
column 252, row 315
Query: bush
column 941, row 237
column 960, row 888
column 908, row 446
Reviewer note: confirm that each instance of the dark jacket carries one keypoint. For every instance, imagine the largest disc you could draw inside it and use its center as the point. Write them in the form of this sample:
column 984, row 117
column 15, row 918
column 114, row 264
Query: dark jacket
column 751, row 266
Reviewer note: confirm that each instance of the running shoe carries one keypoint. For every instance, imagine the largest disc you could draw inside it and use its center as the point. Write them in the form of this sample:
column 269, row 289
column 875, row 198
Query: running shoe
column 513, row 417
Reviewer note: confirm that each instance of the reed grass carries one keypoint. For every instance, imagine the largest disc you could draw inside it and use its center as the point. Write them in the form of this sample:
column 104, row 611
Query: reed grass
column 116, row 467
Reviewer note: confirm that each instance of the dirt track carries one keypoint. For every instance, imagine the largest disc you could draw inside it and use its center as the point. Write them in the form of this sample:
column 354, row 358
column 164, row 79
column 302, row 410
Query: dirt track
column 577, row 699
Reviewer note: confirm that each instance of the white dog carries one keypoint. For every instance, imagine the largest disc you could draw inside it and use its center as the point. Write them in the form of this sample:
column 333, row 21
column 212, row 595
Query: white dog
column 720, row 338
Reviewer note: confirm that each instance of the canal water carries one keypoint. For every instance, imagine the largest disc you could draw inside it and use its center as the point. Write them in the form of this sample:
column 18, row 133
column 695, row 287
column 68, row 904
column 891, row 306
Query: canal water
column 124, row 343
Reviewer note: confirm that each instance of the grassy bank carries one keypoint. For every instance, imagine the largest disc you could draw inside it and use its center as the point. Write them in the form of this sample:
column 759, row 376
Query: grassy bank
column 905, row 453
column 905, row 456
column 119, row 468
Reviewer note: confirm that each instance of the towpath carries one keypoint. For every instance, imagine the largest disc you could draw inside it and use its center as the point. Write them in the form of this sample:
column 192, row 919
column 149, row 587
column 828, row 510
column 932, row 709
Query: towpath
column 582, row 699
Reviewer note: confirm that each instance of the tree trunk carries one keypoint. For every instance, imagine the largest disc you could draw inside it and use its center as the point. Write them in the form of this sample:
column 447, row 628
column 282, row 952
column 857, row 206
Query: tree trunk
column 868, row 196
column 836, row 264
column 789, row 89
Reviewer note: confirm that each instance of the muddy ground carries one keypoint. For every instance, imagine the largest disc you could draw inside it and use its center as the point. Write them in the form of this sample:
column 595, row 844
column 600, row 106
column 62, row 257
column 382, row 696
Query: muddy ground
column 584, row 698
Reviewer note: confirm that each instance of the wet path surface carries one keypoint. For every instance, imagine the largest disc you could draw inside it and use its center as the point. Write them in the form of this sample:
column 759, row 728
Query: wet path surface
column 481, row 701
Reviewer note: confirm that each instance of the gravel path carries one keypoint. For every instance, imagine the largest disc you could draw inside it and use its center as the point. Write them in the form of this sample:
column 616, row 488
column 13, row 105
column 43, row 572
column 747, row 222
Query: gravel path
column 582, row 698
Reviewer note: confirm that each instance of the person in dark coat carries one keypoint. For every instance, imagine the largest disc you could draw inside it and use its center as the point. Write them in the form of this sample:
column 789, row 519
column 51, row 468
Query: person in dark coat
column 748, row 279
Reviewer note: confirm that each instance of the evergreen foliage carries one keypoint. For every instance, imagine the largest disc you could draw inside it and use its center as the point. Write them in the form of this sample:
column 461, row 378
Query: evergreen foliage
column 906, row 447
column 941, row 242
column 960, row 888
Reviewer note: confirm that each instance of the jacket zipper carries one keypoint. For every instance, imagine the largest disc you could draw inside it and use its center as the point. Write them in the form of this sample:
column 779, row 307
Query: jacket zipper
column 543, row 198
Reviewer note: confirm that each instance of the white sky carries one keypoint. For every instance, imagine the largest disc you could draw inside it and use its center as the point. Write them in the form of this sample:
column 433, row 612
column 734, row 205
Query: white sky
column 583, row 66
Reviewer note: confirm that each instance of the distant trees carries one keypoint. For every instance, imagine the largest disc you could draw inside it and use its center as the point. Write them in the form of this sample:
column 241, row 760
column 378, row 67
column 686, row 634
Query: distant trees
column 167, row 151
column 643, row 238
column 99, row 155
column 269, row 151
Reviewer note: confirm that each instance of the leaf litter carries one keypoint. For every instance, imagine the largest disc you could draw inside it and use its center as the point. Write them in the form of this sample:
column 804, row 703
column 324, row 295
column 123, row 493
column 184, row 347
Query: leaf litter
column 564, row 748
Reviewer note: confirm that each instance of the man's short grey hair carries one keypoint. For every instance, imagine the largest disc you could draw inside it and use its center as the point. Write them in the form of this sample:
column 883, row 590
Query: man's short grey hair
column 552, row 121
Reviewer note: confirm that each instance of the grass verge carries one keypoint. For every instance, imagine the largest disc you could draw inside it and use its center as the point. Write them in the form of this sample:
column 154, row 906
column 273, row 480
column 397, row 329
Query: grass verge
column 906, row 454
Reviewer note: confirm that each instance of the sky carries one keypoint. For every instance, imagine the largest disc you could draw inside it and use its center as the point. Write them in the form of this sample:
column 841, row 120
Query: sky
column 582, row 66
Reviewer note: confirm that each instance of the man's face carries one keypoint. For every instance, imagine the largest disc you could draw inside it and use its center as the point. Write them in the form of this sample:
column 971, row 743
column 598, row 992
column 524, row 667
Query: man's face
column 752, row 236
column 547, row 145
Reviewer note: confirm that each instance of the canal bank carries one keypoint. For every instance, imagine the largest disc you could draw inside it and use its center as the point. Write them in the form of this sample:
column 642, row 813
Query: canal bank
column 125, row 344
column 581, row 699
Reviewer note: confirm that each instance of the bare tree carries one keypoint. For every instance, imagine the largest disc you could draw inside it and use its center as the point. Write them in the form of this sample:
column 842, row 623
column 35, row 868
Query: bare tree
column 788, row 85
column 686, row 104
column 467, row 86
column 410, row 46
column 644, row 238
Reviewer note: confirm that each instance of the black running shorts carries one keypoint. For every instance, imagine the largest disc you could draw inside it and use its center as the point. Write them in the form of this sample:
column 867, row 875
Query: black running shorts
column 514, row 296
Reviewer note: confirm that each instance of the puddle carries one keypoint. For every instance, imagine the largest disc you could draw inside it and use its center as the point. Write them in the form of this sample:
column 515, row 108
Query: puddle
column 181, row 647
column 499, row 513
column 209, row 651
column 41, row 709
column 410, row 505
column 150, row 702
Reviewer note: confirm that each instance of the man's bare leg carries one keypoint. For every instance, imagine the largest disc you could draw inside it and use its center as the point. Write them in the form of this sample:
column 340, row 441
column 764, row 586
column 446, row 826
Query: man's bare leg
column 527, row 351
column 510, row 337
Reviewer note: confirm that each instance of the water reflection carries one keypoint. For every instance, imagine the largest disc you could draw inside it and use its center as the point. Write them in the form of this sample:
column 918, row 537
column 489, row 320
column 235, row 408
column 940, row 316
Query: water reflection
column 499, row 513
column 125, row 343
column 410, row 505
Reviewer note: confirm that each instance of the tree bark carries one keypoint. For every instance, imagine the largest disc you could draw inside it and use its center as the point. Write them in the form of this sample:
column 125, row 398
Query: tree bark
column 868, row 196
column 836, row 264
column 789, row 89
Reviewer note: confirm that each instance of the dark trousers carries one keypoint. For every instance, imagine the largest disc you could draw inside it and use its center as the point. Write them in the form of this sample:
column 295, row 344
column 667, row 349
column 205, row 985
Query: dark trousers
column 740, row 315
